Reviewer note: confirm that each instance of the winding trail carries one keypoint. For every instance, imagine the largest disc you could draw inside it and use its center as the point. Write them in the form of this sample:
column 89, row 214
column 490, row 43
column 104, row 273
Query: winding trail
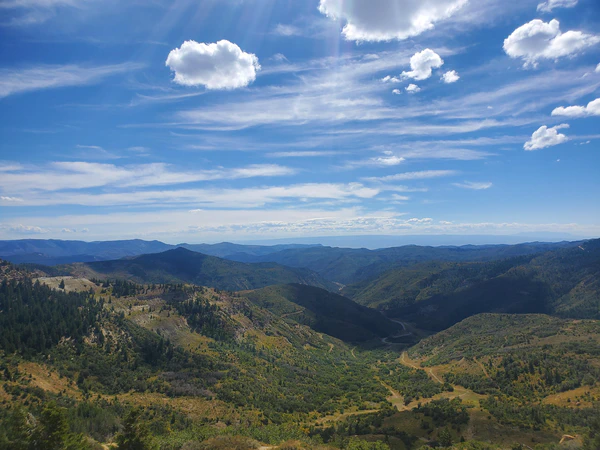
column 403, row 360
column 482, row 367
column 291, row 314
column 404, row 333
column 457, row 392
column 435, row 377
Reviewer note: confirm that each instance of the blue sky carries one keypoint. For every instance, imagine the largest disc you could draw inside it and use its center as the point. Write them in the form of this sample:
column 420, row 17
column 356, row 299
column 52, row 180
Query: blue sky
column 209, row 120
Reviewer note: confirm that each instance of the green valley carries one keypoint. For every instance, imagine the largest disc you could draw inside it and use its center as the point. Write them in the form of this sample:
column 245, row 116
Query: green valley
column 173, row 351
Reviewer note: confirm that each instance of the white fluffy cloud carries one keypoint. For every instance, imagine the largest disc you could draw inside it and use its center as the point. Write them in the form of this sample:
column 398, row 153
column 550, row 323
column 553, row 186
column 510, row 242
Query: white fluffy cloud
column 540, row 40
column 549, row 5
column 546, row 137
column 422, row 64
column 397, row 92
column 389, row 79
column 592, row 109
column 412, row 89
column 450, row 77
column 384, row 20
column 220, row 65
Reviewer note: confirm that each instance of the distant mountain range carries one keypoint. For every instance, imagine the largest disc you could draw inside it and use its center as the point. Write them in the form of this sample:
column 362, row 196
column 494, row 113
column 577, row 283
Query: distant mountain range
column 338, row 265
column 348, row 265
column 374, row 242
column 54, row 252
column 185, row 266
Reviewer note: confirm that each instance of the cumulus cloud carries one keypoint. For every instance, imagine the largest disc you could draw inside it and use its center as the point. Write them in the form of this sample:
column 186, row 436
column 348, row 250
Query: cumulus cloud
column 27, row 229
column 220, row 65
column 540, row 40
column 412, row 88
column 546, row 137
column 397, row 92
column 388, row 160
column 473, row 185
column 592, row 109
column 570, row 111
column 422, row 64
column 384, row 20
column 450, row 77
column 389, row 79
column 549, row 5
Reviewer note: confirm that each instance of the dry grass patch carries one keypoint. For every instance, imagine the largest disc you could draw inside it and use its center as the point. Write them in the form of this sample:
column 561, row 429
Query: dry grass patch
column 582, row 397
column 48, row 380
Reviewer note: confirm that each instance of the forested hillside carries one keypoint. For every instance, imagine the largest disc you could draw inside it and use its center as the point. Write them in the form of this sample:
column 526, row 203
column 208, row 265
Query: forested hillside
column 437, row 295
column 534, row 370
column 324, row 311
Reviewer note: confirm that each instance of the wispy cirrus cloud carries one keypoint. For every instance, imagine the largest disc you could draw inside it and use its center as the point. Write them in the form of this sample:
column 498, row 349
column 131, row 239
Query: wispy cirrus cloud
column 287, row 30
column 17, row 81
column 550, row 5
column 60, row 176
column 351, row 96
column 32, row 12
column 304, row 154
column 299, row 194
column 278, row 222
column 388, row 159
column 420, row 175
column 476, row 186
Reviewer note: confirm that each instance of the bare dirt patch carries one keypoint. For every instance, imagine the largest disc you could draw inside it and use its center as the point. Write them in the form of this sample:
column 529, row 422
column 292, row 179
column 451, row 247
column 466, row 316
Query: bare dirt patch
column 72, row 284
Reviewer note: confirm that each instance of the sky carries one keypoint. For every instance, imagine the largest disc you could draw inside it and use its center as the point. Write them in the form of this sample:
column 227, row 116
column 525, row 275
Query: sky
column 210, row 120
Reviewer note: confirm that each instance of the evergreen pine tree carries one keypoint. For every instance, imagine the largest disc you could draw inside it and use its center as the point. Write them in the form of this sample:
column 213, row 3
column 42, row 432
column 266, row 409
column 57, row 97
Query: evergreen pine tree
column 135, row 434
